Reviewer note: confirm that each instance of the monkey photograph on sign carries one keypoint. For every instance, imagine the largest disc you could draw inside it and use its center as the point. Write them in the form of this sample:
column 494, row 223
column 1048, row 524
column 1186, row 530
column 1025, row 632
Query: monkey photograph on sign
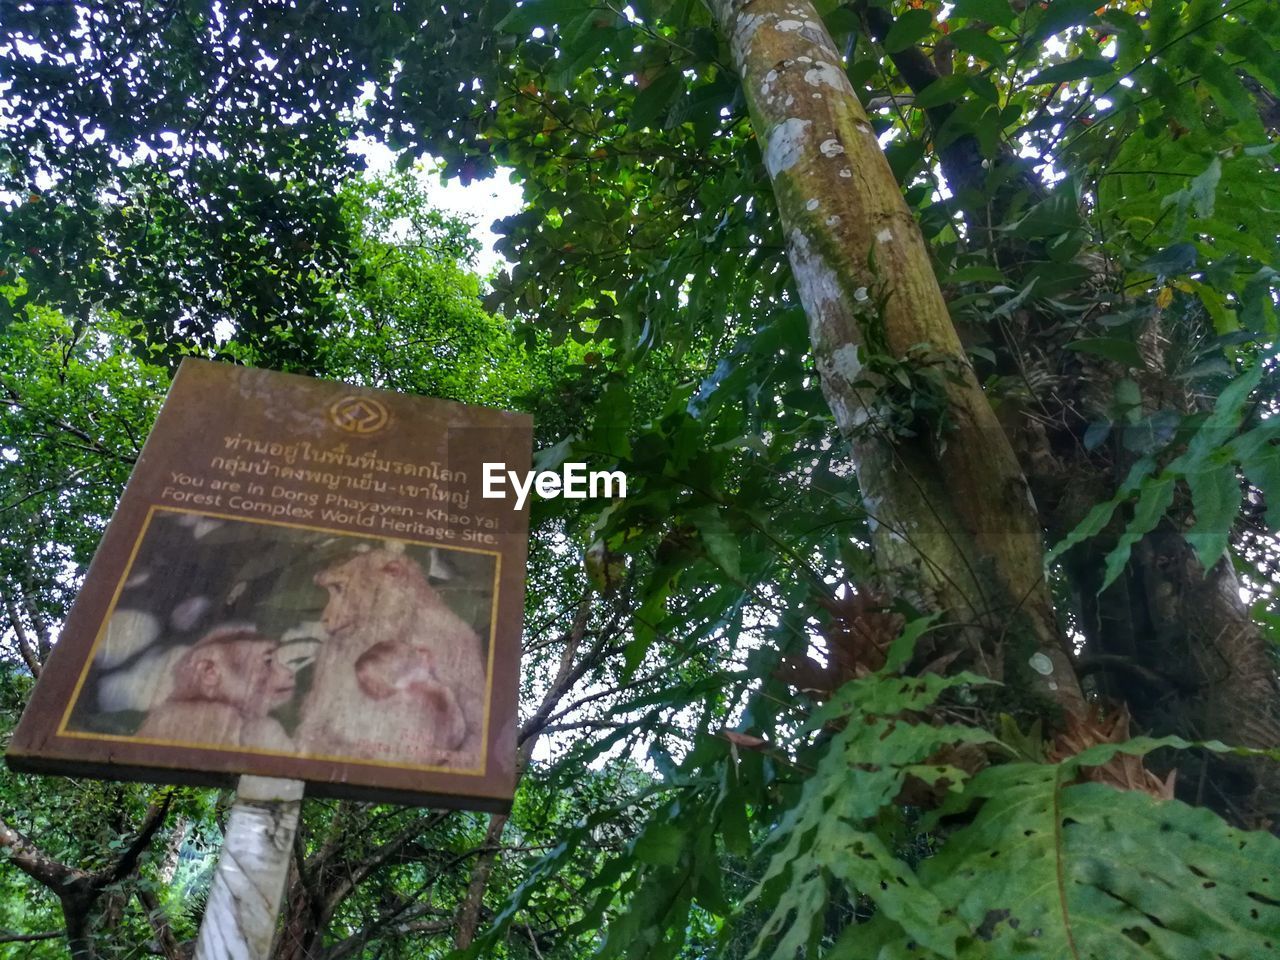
column 266, row 637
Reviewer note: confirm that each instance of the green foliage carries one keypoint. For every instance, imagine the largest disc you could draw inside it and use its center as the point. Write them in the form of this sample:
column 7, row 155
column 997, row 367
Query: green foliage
column 839, row 837
column 183, row 166
column 1020, row 859
column 1217, row 451
column 77, row 406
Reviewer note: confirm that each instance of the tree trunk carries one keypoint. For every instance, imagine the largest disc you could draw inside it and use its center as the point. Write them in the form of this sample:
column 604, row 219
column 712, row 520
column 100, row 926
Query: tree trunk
column 1192, row 629
column 953, row 520
column 76, row 908
column 1172, row 641
column 303, row 922
column 25, row 648
column 469, row 912
column 308, row 890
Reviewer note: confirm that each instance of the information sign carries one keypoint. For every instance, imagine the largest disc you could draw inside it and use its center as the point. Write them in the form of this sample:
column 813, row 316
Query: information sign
column 301, row 581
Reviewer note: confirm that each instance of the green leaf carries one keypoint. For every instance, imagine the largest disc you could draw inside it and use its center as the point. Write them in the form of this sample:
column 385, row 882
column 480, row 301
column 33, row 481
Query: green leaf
column 975, row 274
column 1172, row 261
column 610, row 434
column 903, row 157
column 660, row 844
column 976, row 41
column 1072, row 70
column 1113, row 348
column 992, row 11
column 903, row 648
column 831, row 830
column 655, row 100
column 1215, row 495
column 1153, row 501
column 841, row 21
column 1197, row 196
column 1091, row 871
column 541, row 13
column 551, row 458
column 1128, row 399
column 1228, row 91
column 1056, row 214
column 1099, row 515
column 1096, row 434
column 1203, row 189
column 1224, row 318
column 942, row 90
column 721, row 542
column 908, row 29
column 648, row 619
column 1222, row 424
column 1062, row 14
column 1262, row 467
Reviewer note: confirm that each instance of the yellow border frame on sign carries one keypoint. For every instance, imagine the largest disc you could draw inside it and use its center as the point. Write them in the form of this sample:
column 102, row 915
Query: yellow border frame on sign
column 115, row 597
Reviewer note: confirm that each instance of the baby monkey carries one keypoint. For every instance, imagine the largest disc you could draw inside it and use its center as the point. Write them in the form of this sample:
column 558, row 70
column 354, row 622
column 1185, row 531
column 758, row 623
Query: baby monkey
column 412, row 701
column 224, row 689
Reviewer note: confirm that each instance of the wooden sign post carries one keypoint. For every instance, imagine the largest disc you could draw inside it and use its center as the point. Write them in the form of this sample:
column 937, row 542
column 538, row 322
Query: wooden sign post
column 302, row 582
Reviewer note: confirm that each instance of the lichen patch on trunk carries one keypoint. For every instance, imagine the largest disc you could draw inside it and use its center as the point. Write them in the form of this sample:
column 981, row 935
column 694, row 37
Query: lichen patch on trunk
column 786, row 145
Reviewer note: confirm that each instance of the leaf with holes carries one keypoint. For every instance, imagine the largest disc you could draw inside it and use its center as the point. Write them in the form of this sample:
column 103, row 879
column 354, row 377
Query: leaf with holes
column 833, row 832
column 1052, row 870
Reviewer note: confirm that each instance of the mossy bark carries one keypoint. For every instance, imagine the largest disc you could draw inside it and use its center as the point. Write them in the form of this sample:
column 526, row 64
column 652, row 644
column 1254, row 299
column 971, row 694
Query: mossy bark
column 956, row 525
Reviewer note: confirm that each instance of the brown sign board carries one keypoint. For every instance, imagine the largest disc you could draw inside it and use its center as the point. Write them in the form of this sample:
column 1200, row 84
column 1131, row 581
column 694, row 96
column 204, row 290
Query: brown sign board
column 301, row 581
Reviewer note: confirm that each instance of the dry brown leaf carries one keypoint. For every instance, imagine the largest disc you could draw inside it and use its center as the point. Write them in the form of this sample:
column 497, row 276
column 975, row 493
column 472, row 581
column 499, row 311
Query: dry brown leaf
column 745, row 740
column 1123, row 771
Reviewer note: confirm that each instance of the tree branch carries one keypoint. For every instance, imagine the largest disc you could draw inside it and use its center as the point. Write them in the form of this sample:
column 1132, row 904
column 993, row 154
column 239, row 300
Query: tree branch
column 128, row 860
column 159, row 922
column 361, row 870
column 25, row 648
column 35, row 863
column 7, row 937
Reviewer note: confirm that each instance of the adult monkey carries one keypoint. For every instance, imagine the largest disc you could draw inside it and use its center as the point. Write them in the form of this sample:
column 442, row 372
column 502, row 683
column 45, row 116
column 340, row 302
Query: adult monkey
column 377, row 598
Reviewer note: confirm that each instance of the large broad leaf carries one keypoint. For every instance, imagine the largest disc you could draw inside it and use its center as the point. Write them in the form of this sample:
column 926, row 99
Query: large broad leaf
column 1061, row 14
column 723, row 545
column 1216, row 495
column 1172, row 261
column 942, row 90
column 1198, row 196
column 1113, row 348
column 991, row 11
column 1087, row 872
column 978, row 42
column 1076, row 69
column 909, row 28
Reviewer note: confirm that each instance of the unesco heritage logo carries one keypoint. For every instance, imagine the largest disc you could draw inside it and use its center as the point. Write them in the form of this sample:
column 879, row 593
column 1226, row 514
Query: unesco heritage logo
column 359, row 415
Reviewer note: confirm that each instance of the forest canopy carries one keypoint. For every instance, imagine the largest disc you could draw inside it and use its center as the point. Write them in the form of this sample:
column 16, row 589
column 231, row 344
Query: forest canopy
column 937, row 342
